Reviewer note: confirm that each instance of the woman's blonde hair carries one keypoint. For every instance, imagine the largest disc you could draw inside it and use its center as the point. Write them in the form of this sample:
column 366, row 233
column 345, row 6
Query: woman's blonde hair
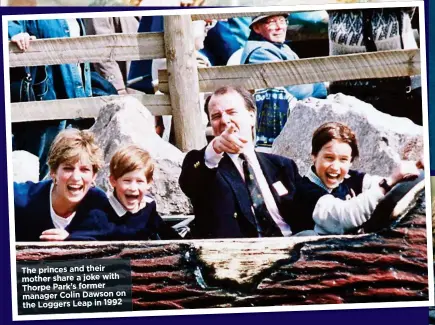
column 131, row 158
column 70, row 145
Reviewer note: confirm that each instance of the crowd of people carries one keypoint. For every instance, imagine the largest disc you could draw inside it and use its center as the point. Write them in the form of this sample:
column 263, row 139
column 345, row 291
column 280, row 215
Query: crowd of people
column 235, row 190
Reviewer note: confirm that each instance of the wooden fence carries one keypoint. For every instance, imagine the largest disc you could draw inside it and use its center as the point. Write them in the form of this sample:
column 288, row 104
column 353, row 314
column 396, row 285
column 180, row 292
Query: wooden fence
column 182, row 82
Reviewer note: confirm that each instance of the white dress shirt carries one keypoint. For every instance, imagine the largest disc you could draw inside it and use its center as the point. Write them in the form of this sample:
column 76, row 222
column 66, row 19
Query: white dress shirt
column 58, row 221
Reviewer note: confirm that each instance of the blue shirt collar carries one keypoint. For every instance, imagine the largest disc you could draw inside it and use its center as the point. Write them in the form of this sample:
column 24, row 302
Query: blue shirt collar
column 312, row 176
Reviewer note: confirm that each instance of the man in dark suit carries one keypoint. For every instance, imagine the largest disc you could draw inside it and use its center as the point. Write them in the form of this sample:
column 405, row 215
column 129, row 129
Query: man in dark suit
column 235, row 191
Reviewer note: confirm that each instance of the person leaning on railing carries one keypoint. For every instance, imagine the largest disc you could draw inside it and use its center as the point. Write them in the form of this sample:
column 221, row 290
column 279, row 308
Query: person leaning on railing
column 50, row 82
column 115, row 72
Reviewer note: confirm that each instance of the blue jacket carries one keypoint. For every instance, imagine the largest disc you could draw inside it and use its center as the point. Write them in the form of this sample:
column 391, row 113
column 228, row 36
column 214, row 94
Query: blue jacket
column 146, row 224
column 260, row 50
column 32, row 213
column 220, row 198
column 142, row 68
column 225, row 38
column 64, row 80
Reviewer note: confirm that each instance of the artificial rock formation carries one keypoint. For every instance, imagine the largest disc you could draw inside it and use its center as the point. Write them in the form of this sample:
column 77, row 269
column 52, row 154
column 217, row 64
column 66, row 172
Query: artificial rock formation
column 124, row 120
column 383, row 139
column 25, row 166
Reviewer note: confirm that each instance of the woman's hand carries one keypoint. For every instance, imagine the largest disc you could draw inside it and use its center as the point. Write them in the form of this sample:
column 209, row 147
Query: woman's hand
column 22, row 40
column 54, row 235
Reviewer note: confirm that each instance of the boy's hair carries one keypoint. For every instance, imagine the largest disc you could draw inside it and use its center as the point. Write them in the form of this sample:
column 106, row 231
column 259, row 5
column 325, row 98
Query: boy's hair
column 334, row 130
column 131, row 158
column 71, row 145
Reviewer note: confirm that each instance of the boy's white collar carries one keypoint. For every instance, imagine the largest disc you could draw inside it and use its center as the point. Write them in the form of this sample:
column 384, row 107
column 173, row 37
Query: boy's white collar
column 119, row 208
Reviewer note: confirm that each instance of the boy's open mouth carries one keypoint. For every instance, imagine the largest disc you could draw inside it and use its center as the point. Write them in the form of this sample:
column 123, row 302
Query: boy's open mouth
column 332, row 176
column 131, row 197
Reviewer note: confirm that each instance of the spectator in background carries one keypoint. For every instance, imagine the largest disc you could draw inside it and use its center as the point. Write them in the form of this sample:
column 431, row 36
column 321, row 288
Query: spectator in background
column 225, row 38
column 114, row 72
column 266, row 43
column 140, row 71
column 56, row 82
column 369, row 30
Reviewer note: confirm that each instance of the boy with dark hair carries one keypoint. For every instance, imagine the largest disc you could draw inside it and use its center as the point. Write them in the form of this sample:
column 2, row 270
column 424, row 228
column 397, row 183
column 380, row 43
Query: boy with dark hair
column 332, row 198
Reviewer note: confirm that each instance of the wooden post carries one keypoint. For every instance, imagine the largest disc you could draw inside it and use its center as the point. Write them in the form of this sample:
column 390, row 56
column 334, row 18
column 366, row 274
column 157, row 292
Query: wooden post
column 183, row 82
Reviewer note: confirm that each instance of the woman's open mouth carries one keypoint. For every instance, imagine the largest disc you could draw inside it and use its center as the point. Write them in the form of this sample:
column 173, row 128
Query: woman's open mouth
column 75, row 189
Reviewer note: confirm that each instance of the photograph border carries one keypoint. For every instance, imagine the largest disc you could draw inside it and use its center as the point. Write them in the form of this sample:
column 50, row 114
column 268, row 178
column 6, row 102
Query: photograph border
column 419, row 4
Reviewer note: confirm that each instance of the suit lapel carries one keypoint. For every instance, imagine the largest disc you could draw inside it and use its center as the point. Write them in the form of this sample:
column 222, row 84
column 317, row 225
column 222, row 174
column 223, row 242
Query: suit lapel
column 231, row 174
column 272, row 174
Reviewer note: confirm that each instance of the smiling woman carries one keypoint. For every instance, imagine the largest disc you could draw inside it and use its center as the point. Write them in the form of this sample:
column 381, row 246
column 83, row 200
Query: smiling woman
column 58, row 209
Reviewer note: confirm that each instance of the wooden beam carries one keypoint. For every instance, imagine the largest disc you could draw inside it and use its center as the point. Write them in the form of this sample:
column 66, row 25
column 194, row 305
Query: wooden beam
column 383, row 64
column 81, row 107
column 93, row 48
column 182, row 83
column 226, row 15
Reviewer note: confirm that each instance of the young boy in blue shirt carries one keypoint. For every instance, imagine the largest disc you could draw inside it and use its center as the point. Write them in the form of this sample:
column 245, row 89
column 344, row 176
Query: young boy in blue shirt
column 132, row 210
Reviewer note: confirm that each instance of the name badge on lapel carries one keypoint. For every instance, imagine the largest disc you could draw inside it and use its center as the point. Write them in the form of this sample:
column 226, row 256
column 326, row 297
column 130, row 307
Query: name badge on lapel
column 279, row 188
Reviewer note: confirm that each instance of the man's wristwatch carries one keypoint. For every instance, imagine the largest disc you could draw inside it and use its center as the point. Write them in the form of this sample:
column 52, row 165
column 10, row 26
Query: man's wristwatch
column 384, row 184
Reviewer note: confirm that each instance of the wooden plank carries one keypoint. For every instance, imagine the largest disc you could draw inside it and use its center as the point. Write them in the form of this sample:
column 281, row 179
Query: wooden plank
column 183, row 83
column 271, row 3
column 226, row 15
column 81, row 107
column 93, row 48
column 381, row 64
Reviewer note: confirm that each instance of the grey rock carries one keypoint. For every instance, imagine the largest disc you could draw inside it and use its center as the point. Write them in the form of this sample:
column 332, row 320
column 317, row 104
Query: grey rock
column 124, row 120
column 25, row 166
column 383, row 140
